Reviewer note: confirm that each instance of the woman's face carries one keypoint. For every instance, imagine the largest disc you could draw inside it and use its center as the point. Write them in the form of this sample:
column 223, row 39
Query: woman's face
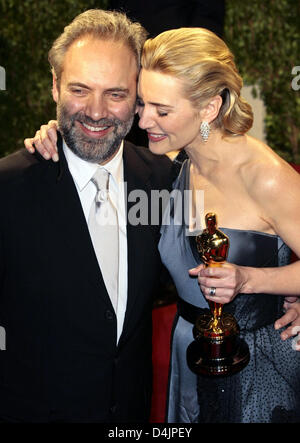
column 169, row 119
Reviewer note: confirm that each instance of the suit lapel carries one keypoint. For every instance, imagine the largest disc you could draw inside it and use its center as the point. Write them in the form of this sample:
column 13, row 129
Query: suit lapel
column 136, row 176
column 68, row 222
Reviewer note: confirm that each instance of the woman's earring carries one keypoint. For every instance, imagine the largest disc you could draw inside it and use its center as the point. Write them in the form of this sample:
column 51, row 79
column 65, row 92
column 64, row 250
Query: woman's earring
column 204, row 130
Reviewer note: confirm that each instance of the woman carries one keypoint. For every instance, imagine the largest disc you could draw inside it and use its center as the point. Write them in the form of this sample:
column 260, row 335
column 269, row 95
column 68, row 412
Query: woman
column 189, row 97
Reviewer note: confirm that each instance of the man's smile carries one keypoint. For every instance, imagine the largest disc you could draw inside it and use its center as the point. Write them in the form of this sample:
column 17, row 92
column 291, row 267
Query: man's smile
column 94, row 131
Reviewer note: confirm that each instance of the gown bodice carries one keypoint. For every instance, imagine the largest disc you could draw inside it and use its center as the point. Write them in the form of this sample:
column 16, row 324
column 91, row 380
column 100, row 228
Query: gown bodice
column 247, row 248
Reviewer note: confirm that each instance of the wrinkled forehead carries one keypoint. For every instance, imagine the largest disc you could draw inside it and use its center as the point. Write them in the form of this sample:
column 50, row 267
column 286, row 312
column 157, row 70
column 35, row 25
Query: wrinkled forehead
column 94, row 59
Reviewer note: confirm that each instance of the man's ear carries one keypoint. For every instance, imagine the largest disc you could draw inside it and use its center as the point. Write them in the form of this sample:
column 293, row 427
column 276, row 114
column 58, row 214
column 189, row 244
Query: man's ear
column 211, row 111
column 55, row 92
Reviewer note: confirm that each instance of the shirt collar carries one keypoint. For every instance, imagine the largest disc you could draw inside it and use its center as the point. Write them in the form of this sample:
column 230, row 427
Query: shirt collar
column 82, row 171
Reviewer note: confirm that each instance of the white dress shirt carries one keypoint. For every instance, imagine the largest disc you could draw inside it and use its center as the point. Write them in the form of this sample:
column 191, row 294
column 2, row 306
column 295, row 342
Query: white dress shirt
column 82, row 171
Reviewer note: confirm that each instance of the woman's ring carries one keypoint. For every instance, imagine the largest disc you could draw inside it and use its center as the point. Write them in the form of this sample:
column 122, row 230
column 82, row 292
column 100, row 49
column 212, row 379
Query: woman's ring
column 212, row 292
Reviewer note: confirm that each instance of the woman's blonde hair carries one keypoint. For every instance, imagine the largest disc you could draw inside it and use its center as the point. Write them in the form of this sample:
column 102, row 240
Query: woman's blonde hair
column 106, row 25
column 206, row 66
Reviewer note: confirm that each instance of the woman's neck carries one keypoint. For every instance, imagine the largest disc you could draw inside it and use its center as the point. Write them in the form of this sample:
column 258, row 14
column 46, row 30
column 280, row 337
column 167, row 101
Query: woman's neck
column 206, row 156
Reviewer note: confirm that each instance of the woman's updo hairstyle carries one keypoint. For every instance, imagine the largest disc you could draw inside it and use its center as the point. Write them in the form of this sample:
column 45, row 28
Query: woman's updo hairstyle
column 206, row 66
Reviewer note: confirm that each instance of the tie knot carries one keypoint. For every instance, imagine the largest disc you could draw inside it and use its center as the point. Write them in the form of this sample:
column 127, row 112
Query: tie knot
column 100, row 180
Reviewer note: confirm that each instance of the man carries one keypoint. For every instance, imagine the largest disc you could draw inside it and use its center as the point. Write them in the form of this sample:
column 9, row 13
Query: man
column 78, row 344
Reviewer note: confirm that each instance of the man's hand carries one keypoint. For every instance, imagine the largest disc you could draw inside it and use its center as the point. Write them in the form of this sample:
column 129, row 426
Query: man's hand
column 44, row 141
column 292, row 318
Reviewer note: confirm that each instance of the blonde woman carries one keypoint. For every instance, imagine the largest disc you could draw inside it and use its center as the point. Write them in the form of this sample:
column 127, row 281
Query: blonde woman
column 189, row 97
column 189, row 91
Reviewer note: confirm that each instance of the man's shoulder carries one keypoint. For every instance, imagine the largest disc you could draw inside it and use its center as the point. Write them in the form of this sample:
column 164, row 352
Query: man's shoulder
column 148, row 157
column 148, row 167
column 13, row 166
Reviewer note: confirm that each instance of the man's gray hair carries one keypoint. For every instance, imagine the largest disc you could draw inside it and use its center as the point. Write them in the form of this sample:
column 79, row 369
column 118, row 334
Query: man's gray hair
column 105, row 25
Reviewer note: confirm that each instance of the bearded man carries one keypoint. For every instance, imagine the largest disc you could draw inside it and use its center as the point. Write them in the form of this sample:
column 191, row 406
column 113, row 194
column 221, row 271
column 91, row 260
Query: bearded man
column 75, row 300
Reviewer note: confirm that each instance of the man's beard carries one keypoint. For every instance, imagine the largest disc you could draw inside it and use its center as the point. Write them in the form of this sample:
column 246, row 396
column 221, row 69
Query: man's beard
column 85, row 147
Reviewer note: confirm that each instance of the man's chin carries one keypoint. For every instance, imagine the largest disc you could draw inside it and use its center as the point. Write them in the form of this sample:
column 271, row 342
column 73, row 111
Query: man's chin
column 91, row 151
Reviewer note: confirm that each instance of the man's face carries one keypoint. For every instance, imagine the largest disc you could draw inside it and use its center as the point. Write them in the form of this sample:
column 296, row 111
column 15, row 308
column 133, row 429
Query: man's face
column 96, row 99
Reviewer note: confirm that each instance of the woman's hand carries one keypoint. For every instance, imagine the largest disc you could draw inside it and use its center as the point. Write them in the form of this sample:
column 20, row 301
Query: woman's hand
column 228, row 281
column 291, row 318
column 44, row 141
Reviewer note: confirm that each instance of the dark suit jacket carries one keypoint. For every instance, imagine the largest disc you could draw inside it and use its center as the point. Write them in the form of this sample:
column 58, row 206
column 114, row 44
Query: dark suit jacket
column 61, row 361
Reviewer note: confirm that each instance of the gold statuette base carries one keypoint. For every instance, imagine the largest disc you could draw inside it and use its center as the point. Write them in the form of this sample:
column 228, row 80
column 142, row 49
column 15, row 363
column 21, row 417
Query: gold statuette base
column 217, row 352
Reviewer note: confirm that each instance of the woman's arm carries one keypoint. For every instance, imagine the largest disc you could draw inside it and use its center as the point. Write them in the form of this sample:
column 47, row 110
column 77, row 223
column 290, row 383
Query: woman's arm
column 276, row 191
column 44, row 141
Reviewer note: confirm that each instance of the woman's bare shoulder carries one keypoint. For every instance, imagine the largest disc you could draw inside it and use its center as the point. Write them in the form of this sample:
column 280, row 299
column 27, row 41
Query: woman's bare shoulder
column 264, row 171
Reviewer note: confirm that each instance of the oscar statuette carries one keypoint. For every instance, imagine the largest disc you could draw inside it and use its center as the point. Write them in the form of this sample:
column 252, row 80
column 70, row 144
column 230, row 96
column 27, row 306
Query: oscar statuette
column 217, row 349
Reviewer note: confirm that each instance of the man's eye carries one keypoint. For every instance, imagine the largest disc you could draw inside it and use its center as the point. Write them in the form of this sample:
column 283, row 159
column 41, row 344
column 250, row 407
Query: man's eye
column 117, row 96
column 162, row 113
column 78, row 91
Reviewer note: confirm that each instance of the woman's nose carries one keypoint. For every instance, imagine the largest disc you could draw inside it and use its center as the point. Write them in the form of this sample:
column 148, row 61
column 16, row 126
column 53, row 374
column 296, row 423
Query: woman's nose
column 146, row 120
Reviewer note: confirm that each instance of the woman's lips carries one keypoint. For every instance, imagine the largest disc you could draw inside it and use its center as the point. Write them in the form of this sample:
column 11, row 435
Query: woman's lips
column 156, row 137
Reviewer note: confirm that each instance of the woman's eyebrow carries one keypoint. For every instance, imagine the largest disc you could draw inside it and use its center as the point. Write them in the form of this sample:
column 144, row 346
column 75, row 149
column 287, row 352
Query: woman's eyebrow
column 157, row 104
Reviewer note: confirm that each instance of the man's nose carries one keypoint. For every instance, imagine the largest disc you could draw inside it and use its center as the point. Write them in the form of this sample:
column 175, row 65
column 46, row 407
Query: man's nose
column 97, row 108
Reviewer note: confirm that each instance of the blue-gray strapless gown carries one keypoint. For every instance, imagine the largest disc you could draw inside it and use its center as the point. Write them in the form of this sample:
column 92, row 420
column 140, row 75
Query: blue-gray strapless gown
column 268, row 389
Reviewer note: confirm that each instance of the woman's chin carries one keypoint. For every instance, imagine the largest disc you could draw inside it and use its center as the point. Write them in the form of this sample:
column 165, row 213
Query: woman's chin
column 159, row 148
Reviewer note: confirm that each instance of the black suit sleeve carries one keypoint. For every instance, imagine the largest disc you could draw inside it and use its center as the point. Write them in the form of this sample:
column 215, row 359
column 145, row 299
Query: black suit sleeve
column 1, row 268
